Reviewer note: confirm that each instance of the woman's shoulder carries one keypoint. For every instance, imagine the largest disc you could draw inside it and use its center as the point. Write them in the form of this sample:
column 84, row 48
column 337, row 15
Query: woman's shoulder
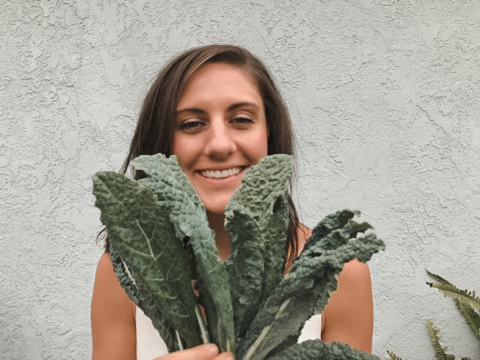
column 104, row 265
column 355, row 271
column 348, row 316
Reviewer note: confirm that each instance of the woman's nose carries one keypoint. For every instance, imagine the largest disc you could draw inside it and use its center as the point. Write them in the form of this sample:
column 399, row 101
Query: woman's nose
column 220, row 141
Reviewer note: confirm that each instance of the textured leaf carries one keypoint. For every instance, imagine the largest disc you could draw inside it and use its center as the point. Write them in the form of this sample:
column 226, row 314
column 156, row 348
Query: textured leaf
column 143, row 299
column 316, row 349
column 123, row 276
column 174, row 191
column 306, row 288
column 328, row 224
column 245, row 268
column 139, row 231
column 334, row 230
column 256, row 219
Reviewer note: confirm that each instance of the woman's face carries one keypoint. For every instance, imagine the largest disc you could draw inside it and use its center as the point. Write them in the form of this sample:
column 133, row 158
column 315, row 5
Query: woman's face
column 220, row 132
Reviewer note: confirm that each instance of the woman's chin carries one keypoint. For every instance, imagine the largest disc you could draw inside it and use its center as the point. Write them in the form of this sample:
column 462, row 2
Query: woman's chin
column 216, row 210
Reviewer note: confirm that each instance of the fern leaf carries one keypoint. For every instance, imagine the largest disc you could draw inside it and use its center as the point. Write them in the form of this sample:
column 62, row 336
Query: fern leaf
column 439, row 350
column 455, row 293
column 437, row 278
column 393, row 356
column 471, row 317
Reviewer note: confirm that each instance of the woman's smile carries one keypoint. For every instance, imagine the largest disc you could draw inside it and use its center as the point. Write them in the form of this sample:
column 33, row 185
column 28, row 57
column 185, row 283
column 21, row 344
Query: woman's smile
column 221, row 174
column 221, row 131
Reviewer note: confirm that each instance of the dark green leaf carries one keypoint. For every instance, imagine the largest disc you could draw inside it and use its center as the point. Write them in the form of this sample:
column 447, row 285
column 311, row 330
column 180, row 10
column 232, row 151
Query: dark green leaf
column 256, row 219
column 316, row 349
column 143, row 299
column 140, row 232
column 174, row 191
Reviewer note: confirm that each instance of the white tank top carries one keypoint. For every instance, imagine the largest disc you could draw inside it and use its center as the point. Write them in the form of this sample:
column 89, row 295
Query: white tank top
column 150, row 345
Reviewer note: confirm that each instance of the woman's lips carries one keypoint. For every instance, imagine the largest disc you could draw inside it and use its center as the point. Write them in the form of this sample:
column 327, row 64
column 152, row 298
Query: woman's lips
column 221, row 174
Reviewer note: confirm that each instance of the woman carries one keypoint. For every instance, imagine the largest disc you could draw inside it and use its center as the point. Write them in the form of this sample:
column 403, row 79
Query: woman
column 217, row 109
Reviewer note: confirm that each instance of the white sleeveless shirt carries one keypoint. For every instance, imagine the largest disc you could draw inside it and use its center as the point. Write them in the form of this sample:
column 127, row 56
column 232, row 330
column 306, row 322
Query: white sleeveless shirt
column 150, row 345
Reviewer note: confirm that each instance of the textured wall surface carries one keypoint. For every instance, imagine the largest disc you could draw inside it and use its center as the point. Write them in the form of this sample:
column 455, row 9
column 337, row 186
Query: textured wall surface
column 384, row 95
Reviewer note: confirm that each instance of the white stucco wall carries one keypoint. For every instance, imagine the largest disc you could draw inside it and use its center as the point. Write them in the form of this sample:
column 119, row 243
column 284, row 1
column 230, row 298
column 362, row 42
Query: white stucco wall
column 384, row 95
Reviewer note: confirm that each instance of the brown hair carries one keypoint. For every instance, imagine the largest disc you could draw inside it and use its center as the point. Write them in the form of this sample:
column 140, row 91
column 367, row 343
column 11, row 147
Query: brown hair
column 156, row 123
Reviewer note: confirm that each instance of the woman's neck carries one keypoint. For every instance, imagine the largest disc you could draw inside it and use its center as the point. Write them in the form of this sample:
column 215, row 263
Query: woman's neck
column 222, row 239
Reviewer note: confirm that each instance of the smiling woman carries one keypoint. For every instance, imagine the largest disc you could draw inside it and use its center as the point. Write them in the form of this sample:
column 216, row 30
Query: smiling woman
column 221, row 131
column 217, row 109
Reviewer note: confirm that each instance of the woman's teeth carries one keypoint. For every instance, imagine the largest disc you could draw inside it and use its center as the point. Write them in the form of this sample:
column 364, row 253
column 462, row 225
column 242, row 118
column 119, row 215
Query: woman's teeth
column 220, row 173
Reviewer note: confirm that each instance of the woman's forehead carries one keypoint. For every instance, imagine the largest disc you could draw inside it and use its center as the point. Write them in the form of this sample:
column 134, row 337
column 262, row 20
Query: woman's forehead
column 217, row 81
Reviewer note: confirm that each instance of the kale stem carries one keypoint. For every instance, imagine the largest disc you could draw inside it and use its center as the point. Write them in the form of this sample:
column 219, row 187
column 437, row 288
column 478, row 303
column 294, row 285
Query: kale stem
column 263, row 334
column 202, row 325
column 180, row 346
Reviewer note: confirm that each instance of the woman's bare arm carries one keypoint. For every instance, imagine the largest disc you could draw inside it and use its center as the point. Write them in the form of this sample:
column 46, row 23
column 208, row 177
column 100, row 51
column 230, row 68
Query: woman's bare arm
column 348, row 316
column 113, row 316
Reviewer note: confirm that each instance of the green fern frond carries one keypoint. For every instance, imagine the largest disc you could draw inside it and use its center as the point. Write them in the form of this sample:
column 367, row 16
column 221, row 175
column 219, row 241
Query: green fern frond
column 455, row 293
column 437, row 278
column 465, row 358
column 471, row 317
column 468, row 304
column 393, row 356
column 439, row 350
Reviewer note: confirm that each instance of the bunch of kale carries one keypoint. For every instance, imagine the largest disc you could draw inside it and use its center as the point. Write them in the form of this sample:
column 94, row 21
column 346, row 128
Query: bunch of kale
column 161, row 244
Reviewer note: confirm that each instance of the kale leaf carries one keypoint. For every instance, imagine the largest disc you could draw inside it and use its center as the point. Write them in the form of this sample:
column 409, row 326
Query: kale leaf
column 186, row 212
column 256, row 219
column 316, row 349
column 141, row 233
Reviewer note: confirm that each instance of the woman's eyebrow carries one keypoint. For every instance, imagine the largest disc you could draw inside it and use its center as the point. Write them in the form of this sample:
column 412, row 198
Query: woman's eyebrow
column 190, row 110
column 236, row 106
column 231, row 108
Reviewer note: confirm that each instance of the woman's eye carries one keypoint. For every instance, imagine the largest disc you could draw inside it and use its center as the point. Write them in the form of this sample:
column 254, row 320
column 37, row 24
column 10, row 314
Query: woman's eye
column 190, row 125
column 242, row 120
